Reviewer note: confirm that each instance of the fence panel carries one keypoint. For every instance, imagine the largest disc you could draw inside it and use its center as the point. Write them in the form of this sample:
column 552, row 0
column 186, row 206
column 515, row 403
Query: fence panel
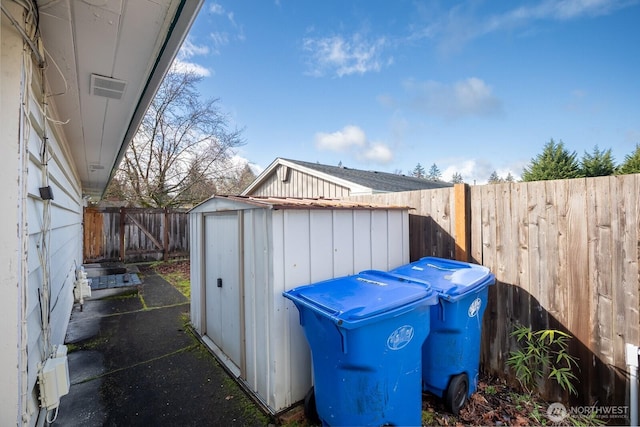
column 135, row 234
column 566, row 256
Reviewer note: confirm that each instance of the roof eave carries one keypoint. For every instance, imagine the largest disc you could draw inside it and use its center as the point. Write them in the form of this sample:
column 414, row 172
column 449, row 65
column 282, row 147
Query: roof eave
column 185, row 15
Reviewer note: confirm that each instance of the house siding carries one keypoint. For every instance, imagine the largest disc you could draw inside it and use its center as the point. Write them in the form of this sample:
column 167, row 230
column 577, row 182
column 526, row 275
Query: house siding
column 25, row 132
column 298, row 184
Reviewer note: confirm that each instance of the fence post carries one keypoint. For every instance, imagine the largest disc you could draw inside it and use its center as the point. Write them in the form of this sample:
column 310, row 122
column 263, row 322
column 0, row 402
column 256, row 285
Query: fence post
column 123, row 213
column 462, row 221
column 165, row 237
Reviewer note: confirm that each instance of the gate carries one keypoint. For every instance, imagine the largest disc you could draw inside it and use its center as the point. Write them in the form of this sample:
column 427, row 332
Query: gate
column 135, row 234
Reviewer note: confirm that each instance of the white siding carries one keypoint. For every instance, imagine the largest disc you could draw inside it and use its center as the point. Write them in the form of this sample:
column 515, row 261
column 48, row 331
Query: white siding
column 12, row 344
column 22, row 346
column 197, row 279
column 299, row 184
column 282, row 249
column 258, row 300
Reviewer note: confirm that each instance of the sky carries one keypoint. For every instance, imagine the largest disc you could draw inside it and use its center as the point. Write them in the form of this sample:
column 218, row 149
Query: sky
column 470, row 86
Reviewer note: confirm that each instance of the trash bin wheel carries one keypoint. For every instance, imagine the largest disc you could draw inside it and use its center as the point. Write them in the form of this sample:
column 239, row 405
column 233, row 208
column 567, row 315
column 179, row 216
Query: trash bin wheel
column 310, row 412
column 456, row 394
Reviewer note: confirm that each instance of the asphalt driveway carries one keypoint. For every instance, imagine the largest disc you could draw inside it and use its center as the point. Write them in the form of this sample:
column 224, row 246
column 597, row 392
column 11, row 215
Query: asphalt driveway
column 134, row 361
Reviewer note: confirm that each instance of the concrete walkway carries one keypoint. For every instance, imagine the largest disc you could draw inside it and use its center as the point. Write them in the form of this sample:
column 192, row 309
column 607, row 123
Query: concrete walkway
column 134, row 362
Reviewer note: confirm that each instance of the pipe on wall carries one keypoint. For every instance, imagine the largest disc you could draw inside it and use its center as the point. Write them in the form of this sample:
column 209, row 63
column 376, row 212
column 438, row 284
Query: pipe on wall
column 631, row 355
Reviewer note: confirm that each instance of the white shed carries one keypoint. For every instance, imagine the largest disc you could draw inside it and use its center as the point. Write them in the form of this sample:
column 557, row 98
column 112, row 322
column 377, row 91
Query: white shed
column 245, row 251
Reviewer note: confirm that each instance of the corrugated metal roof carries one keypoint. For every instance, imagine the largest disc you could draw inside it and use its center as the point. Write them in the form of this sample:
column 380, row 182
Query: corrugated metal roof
column 306, row 203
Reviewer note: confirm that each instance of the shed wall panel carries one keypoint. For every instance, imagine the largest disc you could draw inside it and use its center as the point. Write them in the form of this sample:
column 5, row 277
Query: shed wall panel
column 282, row 249
column 363, row 243
column 197, row 269
column 343, row 243
column 321, row 248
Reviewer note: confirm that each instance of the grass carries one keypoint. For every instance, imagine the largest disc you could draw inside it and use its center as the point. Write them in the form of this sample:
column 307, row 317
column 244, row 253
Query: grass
column 176, row 273
column 180, row 282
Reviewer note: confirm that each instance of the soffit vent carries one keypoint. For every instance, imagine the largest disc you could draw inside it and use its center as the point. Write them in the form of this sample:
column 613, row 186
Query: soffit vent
column 107, row 87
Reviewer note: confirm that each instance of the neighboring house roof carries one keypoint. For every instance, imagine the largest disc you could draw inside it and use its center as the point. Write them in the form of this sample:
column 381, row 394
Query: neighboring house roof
column 358, row 180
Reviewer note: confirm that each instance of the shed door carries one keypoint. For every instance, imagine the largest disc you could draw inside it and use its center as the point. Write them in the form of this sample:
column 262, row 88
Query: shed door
column 222, row 283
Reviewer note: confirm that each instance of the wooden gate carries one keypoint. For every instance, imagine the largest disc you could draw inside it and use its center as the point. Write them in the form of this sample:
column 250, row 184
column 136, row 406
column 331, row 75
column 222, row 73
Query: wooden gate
column 135, row 234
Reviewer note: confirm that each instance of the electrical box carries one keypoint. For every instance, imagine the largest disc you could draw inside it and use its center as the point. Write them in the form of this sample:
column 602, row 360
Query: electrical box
column 54, row 378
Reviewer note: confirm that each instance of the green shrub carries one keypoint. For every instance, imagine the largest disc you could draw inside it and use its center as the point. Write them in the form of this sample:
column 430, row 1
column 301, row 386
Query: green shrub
column 547, row 347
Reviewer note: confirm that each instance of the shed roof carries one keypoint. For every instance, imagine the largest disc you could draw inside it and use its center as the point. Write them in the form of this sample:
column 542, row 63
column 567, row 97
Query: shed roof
column 295, row 203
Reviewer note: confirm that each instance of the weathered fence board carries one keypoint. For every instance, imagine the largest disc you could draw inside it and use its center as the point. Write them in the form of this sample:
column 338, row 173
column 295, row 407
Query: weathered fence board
column 566, row 256
column 134, row 234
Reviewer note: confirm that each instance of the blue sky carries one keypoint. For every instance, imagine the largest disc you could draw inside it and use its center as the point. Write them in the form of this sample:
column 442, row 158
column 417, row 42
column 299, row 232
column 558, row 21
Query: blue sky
column 472, row 86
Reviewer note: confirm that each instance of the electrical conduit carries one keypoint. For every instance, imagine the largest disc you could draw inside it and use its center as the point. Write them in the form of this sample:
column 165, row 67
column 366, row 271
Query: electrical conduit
column 631, row 355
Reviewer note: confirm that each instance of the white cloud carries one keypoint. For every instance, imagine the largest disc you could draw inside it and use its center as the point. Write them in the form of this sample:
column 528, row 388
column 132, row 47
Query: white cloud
column 190, row 67
column 353, row 139
column 189, row 49
column 378, row 153
column 462, row 23
column 470, row 97
column 227, row 29
column 341, row 140
column 477, row 171
column 219, row 40
column 216, row 9
column 183, row 62
column 343, row 57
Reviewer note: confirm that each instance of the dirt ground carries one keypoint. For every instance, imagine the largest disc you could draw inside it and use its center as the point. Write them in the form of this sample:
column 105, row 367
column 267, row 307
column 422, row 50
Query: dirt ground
column 181, row 266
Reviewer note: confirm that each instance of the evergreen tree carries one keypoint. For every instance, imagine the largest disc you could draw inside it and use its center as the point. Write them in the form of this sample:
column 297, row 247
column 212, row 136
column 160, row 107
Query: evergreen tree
column 434, row 173
column 599, row 163
column 418, row 171
column 456, row 178
column 509, row 178
column 555, row 162
column 494, row 178
column 631, row 162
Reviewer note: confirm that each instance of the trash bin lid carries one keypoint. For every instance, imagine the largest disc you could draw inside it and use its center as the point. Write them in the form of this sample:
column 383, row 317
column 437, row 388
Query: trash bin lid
column 450, row 279
column 363, row 296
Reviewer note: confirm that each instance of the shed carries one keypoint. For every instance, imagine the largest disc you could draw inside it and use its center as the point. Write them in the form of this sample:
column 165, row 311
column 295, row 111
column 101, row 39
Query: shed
column 245, row 251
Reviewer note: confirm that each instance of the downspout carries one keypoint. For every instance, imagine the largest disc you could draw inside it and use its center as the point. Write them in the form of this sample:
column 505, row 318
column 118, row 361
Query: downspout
column 631, row 356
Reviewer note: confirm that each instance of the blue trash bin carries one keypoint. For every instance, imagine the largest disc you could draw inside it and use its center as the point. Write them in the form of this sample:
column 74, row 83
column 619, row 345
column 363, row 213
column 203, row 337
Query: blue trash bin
column 451, row 353
column 366, row 333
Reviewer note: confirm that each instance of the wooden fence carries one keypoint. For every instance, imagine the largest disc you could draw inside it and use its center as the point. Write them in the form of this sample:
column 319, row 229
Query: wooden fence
column 565, row 254
column 134, row 234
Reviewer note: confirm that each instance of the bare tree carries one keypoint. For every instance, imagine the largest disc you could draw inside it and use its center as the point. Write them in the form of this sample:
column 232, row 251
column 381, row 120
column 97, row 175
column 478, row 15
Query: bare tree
column 237, row 180
column 181, row 150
